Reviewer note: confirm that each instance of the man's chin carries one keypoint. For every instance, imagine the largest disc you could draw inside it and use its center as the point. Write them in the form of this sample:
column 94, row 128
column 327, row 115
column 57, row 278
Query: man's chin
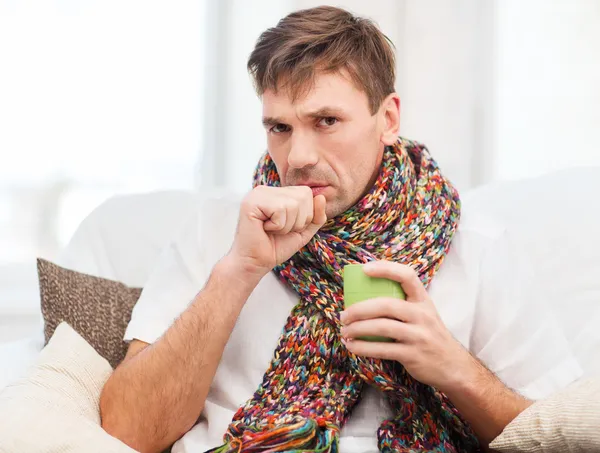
column 334, row 209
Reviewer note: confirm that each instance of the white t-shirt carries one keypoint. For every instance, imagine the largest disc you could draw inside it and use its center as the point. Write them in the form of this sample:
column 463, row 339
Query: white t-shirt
column 482, row 291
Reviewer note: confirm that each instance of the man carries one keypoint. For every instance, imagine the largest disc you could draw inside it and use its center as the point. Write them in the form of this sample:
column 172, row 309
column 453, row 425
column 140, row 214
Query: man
column 337, row 186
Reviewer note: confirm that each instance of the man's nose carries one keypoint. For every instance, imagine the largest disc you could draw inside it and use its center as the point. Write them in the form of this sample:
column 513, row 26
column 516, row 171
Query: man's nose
column 303, row 153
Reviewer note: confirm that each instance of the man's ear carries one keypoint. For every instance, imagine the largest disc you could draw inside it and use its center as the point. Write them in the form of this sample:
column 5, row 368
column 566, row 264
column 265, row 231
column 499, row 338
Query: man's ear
column 390, row 110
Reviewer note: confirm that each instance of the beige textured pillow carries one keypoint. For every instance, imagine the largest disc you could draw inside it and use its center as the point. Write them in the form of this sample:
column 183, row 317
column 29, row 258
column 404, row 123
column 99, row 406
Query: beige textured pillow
column 568, row 421
column 55, row 407
column 97, row 308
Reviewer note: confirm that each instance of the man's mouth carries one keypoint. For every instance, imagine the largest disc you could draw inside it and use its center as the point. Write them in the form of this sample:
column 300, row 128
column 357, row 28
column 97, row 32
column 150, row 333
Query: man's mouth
column 316, row 190
column 316, row 187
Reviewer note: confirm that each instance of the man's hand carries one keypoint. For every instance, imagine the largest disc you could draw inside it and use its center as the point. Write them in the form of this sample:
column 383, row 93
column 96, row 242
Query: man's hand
column 422, row 344
column 274, row 223
column 428, row 351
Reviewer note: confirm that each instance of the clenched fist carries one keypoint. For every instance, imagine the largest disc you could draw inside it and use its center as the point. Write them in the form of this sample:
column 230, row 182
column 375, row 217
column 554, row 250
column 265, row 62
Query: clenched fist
column 274, row 223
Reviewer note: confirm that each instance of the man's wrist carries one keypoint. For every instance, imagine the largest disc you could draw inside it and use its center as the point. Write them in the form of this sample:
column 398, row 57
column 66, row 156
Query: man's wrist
column 239, row 271
column 230, row 280
column 483, row 399
column 468, row 377
column 472, row 380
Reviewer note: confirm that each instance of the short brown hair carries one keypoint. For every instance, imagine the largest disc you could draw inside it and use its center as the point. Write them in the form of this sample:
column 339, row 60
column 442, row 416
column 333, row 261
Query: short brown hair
column 328, row 39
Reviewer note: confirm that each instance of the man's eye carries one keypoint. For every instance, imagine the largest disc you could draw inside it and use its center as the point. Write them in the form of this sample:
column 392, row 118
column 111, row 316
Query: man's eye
column 328, row 121
column 279, row 128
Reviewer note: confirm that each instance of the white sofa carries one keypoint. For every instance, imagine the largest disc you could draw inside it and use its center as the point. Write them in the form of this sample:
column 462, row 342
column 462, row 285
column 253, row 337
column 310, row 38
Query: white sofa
column 555, row 220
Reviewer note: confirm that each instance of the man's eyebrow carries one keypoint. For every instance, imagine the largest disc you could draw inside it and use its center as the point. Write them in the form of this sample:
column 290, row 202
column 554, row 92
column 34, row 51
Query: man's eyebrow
column 324, row 112
column 270, row 121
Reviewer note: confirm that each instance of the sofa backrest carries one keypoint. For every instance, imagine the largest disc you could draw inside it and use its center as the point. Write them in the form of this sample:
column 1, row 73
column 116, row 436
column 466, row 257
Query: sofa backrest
column 555, row 220
column 122, row 238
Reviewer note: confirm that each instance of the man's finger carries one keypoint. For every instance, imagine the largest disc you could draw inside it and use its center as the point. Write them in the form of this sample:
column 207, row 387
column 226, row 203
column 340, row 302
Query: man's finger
column 305, row 213
column 319, row 217
column 405, row 275
column 380, row 327
column 378, row 350
column 380, row 307
column 276, row 222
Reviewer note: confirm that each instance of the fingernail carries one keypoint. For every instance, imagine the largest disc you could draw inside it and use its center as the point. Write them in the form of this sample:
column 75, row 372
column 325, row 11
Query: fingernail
column 343, row 317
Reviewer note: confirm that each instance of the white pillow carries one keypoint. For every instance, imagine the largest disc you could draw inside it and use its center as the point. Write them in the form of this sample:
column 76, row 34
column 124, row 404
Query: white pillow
column 55, row 407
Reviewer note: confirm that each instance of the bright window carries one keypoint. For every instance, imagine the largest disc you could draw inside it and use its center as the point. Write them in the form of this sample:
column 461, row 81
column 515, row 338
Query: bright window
column 97, row 97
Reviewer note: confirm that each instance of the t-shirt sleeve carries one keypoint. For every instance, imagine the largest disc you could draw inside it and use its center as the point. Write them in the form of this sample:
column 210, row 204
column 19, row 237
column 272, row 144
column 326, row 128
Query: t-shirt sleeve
column 184, row 266
column 179, row 275
column 515, row 332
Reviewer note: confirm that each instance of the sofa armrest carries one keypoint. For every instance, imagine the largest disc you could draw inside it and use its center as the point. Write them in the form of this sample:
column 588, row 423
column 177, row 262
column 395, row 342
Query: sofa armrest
column 16, row 356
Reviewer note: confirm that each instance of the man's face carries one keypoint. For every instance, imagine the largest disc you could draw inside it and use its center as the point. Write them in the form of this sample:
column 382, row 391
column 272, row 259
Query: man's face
column 328, row 139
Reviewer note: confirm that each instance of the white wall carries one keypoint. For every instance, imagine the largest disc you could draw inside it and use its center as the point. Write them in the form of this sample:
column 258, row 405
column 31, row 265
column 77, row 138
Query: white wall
column 445, row 80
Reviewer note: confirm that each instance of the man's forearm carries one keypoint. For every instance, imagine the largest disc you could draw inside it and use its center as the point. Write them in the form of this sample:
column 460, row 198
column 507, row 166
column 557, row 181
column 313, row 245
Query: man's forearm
column 153, row 398
column 484, row 401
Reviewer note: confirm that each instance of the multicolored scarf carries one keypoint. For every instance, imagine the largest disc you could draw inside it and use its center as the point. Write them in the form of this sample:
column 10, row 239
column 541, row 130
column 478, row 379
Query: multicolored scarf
column 313, row 383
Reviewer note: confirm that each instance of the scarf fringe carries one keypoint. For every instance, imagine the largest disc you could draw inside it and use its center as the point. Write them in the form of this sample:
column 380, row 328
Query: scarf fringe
column 305, row 436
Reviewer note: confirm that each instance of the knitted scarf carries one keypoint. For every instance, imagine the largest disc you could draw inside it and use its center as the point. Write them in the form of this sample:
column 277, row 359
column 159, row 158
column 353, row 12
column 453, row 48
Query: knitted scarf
column 313, row 382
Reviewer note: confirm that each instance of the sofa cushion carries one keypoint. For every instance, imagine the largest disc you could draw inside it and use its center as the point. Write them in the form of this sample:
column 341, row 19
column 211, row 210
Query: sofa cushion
column 55, row 407
column 567, row 421
column 97, row 308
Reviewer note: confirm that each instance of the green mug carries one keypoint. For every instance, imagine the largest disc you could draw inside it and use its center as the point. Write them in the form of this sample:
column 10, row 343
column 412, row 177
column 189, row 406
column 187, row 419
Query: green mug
column 359, row 287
